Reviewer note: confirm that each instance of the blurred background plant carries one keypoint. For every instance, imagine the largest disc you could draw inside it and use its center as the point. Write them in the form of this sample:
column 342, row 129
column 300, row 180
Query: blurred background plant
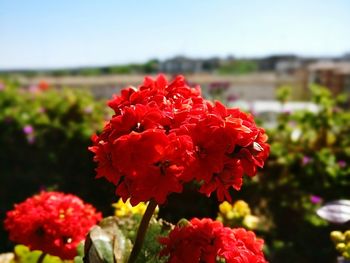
column 44, row 135
column 23, row 254
column 237, row 215
column 308, row 165
column 114, row 236
column 263, row 57
column 341, row 242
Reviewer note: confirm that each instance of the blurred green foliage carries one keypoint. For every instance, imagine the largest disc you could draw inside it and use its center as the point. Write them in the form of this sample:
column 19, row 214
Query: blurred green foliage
column 238, row 67
column 151, row 248
column 24, row 255
column 112, row 240
column 44, row 136
column 283, row 93
column 309, row 164
column 151, row 66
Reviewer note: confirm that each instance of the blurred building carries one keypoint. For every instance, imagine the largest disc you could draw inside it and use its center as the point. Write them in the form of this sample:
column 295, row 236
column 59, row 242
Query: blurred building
column 271, row 63
column 258, row 86
column 288, row 66
column 331, row 74
column 181, row 64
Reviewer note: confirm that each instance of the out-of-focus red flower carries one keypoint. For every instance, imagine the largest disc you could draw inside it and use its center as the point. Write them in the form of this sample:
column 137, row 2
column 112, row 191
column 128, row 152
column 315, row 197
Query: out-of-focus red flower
column 43, row 85
column 166, row 134
column 207, row 240
column 52, row 222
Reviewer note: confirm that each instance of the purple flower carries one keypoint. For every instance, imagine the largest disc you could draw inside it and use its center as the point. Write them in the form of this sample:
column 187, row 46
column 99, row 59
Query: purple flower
column 28, row 129
column 218, row 86
column 287, row 112
column 88, row 109
column 306, row 160
column 315, row 199
column 33, row 89
column 232, row 97
column 2, row 86
column 341, row 163
column 292, row 123
column 41, row 110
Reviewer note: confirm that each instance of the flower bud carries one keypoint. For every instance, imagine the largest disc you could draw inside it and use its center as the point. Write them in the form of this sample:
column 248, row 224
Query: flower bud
column 340, row 247
column 337, row 236
column 183, row 222
column 347, row 235
column 242, row 208
column 225, row 207
column 346, row 255
column 230, row 215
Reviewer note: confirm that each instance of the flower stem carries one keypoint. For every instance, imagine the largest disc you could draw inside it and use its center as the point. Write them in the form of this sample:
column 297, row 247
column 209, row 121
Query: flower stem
column 141, row 232
column 41, row 258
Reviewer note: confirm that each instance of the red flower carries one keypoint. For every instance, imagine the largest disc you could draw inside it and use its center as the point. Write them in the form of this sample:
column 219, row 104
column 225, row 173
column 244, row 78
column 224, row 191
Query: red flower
column 152, row 164
column 165, row 134
column 230, row 176
column 52, row 222
column 207, row 240
column 43, row 85
column 208, row 136
column 136, row 118
column 102, row 151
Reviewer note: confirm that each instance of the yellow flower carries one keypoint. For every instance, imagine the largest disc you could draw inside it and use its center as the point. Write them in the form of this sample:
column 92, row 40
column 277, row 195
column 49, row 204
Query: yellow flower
column 126, row 209
column 337, row 236
column 250, row 221
column 241, row 208
column 237, row 215
column 225, row 208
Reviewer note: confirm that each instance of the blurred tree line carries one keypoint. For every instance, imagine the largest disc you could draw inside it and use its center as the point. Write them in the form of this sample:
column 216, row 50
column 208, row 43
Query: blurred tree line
column 234, row 67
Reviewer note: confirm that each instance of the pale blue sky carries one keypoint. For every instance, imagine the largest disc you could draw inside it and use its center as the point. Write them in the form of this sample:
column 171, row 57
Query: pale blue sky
column 45, row 33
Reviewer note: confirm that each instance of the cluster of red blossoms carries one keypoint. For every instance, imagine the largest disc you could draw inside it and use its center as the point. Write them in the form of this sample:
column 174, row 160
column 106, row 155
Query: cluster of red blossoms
column 163, row 135
column 52, row 222
column 208, row 241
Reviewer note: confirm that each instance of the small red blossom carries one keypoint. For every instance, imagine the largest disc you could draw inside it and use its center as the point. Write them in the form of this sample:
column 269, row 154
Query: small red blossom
column 164, row 134
column 207, row 240
column 52, row 222
column 43, row 85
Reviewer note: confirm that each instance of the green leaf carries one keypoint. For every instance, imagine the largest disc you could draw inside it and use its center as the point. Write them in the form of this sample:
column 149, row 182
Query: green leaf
column 106, row 243
column 24, row 255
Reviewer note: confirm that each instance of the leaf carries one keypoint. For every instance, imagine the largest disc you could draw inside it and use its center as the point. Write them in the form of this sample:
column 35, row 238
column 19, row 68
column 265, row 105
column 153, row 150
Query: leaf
column 121, row 245
column 98, row 246
column 337, row 212
column 24, row 255
column 106, row 243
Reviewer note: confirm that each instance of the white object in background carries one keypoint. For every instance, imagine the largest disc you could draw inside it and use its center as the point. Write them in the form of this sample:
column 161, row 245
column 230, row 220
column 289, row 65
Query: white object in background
column 337, row 212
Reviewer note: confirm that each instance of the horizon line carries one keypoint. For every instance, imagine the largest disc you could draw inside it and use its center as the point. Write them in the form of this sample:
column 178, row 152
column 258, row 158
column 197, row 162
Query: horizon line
column 100, row 65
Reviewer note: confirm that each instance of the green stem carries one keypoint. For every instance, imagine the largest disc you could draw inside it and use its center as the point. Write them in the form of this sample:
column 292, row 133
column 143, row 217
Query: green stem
column 41, row 258
column 141, row 232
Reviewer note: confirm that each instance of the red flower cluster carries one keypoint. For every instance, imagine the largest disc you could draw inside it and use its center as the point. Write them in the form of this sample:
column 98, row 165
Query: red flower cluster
column 165, row 134
column 207, row 240
column 52, row 222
